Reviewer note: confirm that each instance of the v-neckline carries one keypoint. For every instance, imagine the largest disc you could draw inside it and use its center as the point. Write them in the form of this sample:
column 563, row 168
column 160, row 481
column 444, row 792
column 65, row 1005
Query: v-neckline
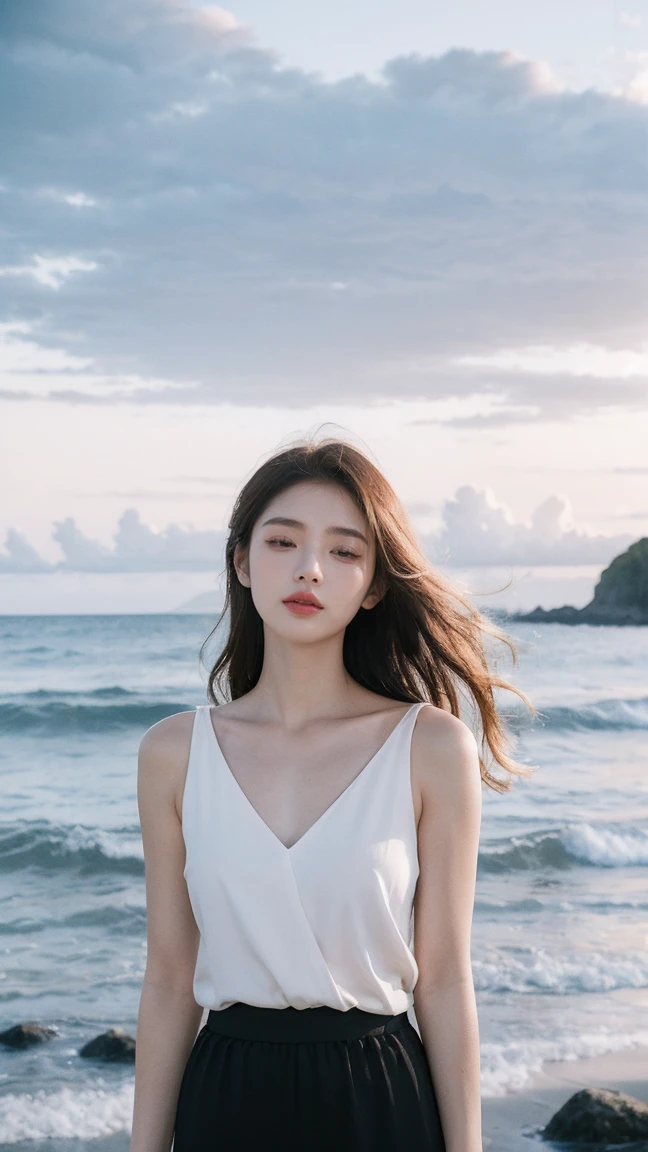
column 248, row 803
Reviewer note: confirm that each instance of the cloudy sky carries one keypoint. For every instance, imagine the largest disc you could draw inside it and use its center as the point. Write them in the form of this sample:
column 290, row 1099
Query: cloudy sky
column 424, row 229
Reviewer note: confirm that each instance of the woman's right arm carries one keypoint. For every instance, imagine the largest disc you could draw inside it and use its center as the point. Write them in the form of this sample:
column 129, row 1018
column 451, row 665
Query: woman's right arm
column 169, row 1017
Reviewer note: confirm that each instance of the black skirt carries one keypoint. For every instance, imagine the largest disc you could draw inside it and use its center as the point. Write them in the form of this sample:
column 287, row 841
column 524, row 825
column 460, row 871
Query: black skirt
column 307, row 1080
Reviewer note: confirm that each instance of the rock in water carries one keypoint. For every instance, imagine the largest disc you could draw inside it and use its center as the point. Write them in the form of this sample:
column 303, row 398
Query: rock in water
column 620, row 597
column 623, row 585
column 599, row 1116
column 25, row 1035
column 115, row 1044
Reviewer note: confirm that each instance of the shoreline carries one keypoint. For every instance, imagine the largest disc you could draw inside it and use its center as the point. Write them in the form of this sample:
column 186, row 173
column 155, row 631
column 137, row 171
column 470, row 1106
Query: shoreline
column 508, row 1122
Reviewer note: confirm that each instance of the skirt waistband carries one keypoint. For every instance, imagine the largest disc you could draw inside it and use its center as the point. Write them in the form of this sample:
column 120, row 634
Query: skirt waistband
column 249, row 1022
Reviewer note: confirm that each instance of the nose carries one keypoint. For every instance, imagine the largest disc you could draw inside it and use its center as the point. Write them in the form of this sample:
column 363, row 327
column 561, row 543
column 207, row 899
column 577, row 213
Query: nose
column 308, row 568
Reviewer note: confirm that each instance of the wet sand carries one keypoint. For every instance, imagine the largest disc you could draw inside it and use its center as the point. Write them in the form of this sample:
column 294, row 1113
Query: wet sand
column 510, row 1123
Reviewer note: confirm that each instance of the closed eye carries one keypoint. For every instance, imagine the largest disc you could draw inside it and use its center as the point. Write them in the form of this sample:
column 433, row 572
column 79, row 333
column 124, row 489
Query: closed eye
column 280, row 540
column 283, row 542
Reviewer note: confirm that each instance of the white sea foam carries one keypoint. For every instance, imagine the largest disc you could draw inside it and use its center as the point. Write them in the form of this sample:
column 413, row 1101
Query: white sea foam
column 605, row 846
column 537, row 969
column 91, row 1113
column 576, row 842
column 85, row 1113
column 511, row 1067
column 115, row 845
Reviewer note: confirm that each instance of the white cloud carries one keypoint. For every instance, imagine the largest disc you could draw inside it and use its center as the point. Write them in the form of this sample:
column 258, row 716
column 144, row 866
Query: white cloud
column 480, row 530
column 635, row 88
column 79, row 200
column 477, row 530
column 582, row 359
column 29, row 370
column 218, row 19
column 179, row 109
column 18, row 354
column 138, row 547
column 74, row 199
column 50, row 271
column 20, row 556
column 257, row 227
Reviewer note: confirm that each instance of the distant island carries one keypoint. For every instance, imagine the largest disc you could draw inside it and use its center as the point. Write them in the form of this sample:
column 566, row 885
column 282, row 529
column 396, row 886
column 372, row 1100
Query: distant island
column 203, row 604
column 620, row 597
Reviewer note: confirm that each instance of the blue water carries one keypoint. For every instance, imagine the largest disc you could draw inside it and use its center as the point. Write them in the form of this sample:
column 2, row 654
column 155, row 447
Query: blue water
column 560, row 932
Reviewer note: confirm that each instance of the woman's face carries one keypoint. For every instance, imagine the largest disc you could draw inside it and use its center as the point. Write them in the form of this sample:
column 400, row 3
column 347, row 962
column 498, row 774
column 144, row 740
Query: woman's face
column 311, row 539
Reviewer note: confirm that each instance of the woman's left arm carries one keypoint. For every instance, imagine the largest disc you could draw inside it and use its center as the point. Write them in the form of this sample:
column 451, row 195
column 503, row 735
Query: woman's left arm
column 446, row 775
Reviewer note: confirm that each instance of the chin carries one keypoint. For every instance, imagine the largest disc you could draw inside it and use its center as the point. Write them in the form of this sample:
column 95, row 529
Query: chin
column 298, row 628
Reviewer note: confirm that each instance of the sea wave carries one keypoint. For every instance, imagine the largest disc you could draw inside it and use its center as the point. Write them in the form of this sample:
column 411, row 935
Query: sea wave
column 46, row 846
column 512, row 1066
column 66, row 1113
column 531, row 969
column 101, row 710
column 612, row 714
column 116, row 920
column 566, row 847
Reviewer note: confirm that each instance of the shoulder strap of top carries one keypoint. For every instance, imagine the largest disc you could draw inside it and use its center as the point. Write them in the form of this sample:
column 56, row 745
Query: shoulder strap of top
column 203, row 718
column 400, row 740
column 198, row 733
column 413, row 714
column 408, row 724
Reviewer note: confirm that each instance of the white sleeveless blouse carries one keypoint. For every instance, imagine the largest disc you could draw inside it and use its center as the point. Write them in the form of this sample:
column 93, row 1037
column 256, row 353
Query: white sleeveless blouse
column 328, row 921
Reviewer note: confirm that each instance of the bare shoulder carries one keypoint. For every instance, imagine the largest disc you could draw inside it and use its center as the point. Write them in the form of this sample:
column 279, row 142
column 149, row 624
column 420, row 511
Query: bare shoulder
column 163, row 755
column 163, row 740
column 445, row 757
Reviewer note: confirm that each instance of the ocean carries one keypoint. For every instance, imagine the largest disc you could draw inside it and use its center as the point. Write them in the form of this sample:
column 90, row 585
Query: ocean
column 560, row 933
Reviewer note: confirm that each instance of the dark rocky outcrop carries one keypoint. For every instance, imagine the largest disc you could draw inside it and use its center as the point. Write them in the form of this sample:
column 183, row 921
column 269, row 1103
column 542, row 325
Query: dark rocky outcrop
column 620, row 597
column 26, row 1035
column 115, row 1045
column 599, row 1116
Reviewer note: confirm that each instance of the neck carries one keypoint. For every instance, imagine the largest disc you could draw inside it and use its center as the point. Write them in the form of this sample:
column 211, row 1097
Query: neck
column 300, row 683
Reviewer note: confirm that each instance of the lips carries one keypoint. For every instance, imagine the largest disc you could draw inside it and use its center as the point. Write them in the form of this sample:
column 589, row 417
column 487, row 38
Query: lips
column 303, row 604
column 303, row 598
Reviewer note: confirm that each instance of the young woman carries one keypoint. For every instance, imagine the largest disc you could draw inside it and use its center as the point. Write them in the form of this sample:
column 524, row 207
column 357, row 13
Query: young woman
column 311, row 843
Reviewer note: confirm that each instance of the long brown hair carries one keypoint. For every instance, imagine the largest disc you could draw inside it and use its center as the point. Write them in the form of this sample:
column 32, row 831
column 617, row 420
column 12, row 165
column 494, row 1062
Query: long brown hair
column 420, row 642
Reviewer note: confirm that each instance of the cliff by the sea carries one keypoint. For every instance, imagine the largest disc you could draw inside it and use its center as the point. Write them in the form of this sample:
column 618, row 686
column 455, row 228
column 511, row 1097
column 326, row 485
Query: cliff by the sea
column 620, row 597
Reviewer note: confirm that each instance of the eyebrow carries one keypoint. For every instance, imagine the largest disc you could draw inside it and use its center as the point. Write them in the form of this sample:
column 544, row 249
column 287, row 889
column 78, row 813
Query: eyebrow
column 334, row 531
